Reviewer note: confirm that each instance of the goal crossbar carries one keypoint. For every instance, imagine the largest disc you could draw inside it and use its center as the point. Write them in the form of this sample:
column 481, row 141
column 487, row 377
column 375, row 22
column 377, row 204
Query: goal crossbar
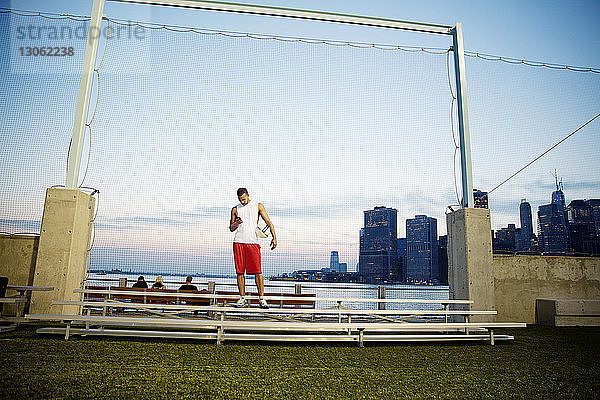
column 300, row 14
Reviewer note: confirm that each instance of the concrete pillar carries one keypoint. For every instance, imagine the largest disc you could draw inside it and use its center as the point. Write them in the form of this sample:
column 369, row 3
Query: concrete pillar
column 62, row 259
column 470, row 260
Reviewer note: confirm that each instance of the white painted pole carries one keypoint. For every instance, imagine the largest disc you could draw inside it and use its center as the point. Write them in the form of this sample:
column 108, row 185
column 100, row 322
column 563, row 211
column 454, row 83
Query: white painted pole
column 83, row 99
column 463, row 118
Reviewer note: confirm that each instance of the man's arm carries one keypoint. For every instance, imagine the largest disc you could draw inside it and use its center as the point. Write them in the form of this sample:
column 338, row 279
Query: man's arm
column 234, row 221
column 263, row 213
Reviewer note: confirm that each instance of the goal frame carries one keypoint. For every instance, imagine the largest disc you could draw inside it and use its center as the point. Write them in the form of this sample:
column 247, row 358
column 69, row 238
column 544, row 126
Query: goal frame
column 74, row 161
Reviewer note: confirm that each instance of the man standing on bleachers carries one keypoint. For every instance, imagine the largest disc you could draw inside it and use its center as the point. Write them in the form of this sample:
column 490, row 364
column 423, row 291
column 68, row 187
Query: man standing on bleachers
column 246, row 249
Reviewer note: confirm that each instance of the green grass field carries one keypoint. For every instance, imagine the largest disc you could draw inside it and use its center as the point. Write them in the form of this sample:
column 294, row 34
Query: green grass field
column 542, row 363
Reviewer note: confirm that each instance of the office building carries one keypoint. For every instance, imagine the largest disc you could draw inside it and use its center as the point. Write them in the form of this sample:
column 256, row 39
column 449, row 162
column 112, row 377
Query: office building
column 378, row 257
column 525, row 238
column 504, row 241
column 553, row 234
column 480, row 199
column 402, row 258
column 595, row 205
column 553, row 231
column 582, row 228
column 421, row 249
column 334, row 261
column 443, row 258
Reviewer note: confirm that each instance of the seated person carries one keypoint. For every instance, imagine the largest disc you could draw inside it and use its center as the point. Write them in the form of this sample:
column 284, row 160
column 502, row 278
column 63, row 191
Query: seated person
column 141, row 283
column 158, row 284
column 188, row 284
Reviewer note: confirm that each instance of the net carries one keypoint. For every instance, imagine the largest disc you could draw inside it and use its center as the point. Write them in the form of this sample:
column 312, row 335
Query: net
column 317, row 131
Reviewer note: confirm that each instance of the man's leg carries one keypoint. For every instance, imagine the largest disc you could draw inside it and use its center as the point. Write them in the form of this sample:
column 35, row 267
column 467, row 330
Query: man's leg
column 260, row 285
column 241, row 282
column 240, row 264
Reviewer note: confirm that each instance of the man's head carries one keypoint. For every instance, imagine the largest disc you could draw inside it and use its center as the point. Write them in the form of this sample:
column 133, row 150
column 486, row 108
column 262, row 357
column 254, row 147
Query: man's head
column 140, row 278
column 188, row 280
column 242, row 194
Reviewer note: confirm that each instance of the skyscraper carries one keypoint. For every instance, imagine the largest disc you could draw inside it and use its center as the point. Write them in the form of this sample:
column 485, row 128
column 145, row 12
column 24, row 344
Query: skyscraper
column 595, row 206
column 553, row 232
column 505, row 240
column 402, row 258
column 525, row 238
column 553, row 235
column 378, row 257
column 582, row 228
column 480, row 199
column 334, row 261
column 422, row 249
column 443, row 258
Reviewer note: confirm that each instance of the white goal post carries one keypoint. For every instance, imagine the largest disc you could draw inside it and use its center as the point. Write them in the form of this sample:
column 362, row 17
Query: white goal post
column 458, row 49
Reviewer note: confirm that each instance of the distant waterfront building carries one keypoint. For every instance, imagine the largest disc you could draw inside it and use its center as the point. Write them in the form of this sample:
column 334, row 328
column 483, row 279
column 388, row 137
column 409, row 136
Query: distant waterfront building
column 334, row 261
column 378, row 256
column 553, row 232
column 480, row 199
column 342, row 268
column 443, row 258
column 505, row 240
column 422, row 249
column 310, row 274
column 595, row 205
column 525, row 239
column 553, row 235
column 582, row 228
column 402, row 258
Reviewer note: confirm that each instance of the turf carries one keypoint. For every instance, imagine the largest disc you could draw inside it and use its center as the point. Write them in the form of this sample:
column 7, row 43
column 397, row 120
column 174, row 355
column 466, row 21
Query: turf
column 542, row 363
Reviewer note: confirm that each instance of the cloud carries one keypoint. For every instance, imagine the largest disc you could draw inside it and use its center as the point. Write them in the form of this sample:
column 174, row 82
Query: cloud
column 138, row 222
column 21, row 225
column 201, row 212
column 321, row 211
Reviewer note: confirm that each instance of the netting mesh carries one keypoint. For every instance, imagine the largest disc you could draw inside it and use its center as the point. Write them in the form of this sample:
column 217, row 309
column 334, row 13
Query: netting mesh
column 516, row 113
column 318, row 133
column 37, row 107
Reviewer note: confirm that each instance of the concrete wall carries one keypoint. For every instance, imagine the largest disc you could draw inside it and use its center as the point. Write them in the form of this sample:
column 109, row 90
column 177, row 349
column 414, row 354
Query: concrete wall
column 18, row 256
column 520, row 280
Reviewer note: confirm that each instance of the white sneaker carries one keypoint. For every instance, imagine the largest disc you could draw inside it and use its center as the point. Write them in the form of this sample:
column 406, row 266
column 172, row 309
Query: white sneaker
column 241, row 303
column 263, row 303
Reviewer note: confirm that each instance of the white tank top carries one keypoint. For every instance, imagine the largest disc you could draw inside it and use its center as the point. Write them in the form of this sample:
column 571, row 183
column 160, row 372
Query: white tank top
column 246, row 231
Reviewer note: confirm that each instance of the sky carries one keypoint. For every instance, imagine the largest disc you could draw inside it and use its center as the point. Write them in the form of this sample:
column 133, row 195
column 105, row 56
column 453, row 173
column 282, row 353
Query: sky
column 309, row 122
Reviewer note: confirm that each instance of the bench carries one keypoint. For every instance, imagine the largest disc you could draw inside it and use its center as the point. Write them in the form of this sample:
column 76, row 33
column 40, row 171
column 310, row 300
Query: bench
column 142, row 295
column 280, row 300
column 194, row 297
column 21, row 301
column 287, row 313
column 567, row 312
column 276, row 331
column 279, row 323
column 158, row 296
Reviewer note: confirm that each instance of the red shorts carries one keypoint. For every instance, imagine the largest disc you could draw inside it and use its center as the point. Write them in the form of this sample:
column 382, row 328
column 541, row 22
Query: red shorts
column 247, row 258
